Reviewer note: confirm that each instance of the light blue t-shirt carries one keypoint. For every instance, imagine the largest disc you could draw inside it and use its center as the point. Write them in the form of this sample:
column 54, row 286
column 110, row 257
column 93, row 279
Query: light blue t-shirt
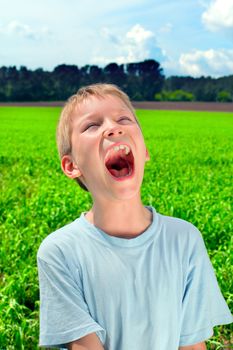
column 156, row 291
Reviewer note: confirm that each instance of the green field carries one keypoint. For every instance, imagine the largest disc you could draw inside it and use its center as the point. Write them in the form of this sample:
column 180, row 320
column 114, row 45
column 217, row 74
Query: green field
column 189, row 176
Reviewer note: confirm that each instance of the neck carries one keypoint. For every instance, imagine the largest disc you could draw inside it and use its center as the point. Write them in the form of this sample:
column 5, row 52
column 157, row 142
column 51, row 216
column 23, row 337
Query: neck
column 126, row 219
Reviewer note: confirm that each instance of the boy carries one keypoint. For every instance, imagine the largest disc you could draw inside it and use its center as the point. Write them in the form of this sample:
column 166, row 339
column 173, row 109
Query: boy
column 122, row 276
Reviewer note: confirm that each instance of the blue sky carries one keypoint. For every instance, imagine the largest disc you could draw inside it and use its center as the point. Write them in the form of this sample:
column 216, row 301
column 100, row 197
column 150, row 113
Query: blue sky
column 188, row 37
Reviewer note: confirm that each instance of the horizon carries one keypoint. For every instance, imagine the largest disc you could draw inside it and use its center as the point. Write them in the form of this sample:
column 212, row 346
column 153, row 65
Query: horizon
column 102, row 67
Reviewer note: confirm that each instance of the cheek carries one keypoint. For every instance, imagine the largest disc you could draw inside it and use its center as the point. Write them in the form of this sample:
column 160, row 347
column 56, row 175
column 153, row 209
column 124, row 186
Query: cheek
column 138, row 133
column 140, row 137
column 85, row 149
column 88, row 160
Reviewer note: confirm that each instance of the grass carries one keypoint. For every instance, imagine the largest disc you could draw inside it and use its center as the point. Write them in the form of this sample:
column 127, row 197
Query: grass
column 189, row 176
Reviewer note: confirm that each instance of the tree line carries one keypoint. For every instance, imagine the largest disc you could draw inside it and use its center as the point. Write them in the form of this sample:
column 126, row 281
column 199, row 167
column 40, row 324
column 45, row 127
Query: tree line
column 142, row 81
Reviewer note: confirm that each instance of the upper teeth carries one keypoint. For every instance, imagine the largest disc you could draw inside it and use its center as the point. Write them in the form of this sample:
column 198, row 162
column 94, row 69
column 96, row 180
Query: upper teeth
column 117, row 148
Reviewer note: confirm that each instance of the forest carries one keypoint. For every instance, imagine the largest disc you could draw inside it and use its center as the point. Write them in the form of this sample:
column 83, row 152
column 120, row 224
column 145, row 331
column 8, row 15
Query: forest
column 142, row 81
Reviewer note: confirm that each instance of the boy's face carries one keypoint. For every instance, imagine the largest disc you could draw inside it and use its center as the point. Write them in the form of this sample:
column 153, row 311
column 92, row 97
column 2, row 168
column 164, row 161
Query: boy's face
column 108, row 149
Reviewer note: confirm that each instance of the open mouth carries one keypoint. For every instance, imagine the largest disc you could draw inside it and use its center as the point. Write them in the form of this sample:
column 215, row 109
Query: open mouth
column 119, row 164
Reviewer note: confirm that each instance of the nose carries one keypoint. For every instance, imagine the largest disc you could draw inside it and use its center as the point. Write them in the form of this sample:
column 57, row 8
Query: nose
column 113, row 132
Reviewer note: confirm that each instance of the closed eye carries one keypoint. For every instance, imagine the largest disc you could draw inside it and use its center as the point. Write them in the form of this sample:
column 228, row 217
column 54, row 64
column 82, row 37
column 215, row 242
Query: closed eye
column 94, row 125
column 91, row 126
column 125, row 119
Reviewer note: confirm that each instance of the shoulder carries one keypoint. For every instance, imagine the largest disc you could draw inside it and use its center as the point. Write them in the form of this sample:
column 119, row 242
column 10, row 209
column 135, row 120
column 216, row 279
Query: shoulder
column 178, row 227
column 181, row 233
column 184, row 244
column 61, row 243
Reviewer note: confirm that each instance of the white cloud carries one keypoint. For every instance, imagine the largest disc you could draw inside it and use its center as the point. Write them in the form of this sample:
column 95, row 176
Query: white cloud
column 23, row 30
column 207, row 63
column 166, row 28
column 219, row 15
column 138, row 35
column 139, row 44
column 136, row 45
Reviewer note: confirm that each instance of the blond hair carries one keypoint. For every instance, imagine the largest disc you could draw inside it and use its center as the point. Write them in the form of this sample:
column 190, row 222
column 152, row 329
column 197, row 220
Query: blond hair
column 65, row 124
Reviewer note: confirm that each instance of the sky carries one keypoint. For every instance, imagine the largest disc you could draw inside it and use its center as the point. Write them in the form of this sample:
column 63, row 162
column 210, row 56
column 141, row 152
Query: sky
column 187, row 37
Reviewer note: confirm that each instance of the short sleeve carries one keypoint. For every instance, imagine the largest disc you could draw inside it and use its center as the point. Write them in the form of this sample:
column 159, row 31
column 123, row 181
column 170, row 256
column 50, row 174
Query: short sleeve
column 203, row 305
column 64, row 314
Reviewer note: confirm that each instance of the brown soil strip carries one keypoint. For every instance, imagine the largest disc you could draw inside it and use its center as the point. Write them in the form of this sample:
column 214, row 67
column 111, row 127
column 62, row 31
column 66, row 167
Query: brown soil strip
column 33, row 104
column 183, row 106
column 186, row 106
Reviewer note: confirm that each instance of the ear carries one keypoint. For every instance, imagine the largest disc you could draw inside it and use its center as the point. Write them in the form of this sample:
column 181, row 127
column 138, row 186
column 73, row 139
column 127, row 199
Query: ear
column 69, row 167
column 147, row 155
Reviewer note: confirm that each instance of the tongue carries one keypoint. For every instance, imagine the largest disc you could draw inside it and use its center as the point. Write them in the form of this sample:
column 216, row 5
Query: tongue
column 118, row 167
column 119, row 173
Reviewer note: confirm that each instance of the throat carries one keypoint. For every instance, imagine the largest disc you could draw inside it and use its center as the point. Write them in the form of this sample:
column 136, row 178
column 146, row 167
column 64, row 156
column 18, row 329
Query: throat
column 122, row 225
column 120, row 169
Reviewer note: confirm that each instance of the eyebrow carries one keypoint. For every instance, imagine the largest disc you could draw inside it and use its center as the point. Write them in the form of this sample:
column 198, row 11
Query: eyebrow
column 98, row 116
